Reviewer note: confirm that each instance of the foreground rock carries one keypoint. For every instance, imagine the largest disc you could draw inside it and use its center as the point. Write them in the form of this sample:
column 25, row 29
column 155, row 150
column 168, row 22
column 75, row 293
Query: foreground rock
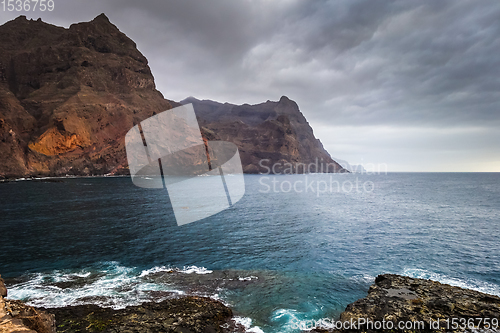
column 394, row 304
column 15, row 316
column 430, row 306
column 188, row 315
column 3, row 290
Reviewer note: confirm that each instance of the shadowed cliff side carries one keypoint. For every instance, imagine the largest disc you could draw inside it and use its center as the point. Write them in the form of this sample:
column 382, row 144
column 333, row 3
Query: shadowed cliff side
column 267, row 134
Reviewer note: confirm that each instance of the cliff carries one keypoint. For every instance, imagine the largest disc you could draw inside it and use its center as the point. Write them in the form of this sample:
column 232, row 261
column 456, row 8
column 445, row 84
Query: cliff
column 276, row 133
column 69, row 96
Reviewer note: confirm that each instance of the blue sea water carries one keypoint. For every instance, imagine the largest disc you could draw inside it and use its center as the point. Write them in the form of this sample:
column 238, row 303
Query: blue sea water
column 276, row 256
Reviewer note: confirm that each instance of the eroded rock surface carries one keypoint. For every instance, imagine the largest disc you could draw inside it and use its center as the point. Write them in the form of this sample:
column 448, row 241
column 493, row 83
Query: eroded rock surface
column 274, row 133
column 15, row 316
column 403, row 299
column 3, row 289
column 68, row 97
column 188, row 314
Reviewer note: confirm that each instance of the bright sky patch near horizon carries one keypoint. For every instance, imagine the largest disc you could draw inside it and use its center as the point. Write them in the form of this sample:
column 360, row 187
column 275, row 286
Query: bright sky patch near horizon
column 413, row 85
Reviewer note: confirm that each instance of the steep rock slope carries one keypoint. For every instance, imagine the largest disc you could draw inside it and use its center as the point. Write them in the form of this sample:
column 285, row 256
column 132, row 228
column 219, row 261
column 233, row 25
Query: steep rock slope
column 267, row 134
column 68, row 96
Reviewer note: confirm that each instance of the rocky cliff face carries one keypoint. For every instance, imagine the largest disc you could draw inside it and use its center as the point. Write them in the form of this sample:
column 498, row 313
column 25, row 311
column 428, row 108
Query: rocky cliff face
column 267, row 134
column 69, row 96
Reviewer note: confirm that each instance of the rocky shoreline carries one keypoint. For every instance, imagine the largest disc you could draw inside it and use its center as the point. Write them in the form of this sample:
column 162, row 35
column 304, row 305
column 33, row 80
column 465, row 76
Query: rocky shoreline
column 58, row 179
column 187, row 314
column 403, row 304
column 394, row 304
column 15, row 316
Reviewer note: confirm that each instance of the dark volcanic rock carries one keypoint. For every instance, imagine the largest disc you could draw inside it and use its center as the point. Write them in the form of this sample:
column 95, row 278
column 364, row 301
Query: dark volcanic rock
column 275, row 133
column 403, row 299
column 188, row 314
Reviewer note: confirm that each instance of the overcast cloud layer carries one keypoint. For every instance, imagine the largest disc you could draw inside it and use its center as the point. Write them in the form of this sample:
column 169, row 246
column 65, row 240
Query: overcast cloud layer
column 414, row 85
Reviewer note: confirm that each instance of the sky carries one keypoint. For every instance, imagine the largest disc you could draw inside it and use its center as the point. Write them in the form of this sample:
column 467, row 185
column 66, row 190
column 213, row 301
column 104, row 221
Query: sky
column 410, row 86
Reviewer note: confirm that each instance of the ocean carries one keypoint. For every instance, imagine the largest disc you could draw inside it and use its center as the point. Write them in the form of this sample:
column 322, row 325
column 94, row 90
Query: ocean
column 287, row 251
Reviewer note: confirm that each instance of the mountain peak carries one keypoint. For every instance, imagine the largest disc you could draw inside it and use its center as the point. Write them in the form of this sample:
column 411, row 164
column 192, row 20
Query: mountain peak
column 101, row 18
column 274, row 131
column 189, row 99
column 61, row 85
column 101, row 21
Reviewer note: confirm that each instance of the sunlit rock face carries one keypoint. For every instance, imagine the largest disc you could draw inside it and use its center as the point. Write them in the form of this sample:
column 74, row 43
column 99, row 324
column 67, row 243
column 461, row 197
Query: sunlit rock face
column 68, row 97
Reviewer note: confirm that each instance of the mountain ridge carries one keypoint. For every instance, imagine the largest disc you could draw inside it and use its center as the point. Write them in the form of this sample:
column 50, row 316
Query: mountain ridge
column 278, row 132
column 69, row 95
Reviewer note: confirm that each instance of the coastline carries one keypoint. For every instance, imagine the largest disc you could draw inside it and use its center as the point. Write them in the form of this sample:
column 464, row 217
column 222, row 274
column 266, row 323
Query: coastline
column 393, row 303
column 61, row 178
column 55, row 178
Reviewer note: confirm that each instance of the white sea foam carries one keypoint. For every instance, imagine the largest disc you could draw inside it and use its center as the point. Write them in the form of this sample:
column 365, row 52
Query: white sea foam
column 196, row 270
column 185, row 269
column 83, row 275
column 364, row 278
column 470, row 283
column 112, row 286
column 292, row 321
column 155, row 269
column 248, row 278
column 247, row 323
column 287, row 317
